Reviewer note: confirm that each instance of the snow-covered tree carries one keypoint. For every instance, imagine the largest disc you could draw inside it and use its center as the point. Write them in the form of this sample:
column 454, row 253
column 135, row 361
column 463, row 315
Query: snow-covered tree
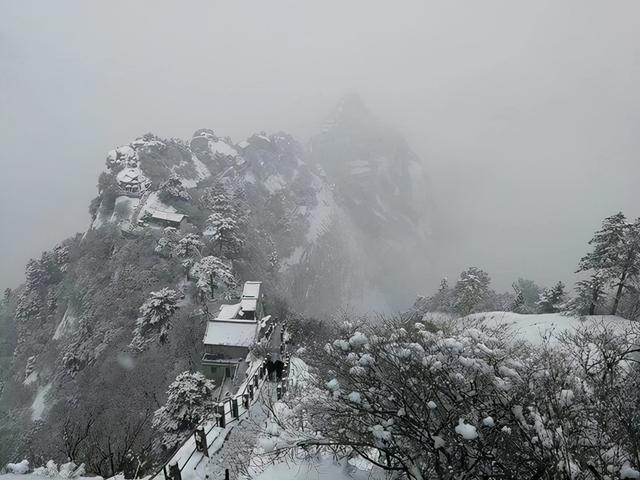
column 212, row 275
column 530, row 291
column 441, row 301
column 173, row 187
column 615, row 257
column 471, row 289
column 460, row 401
column 552, row 299
column 225, row 221
column 190, row 401
column 187, row 247
column 225, row 232
column 154, row 320
column 274, row 261
column 590, row 295
column 518, row 303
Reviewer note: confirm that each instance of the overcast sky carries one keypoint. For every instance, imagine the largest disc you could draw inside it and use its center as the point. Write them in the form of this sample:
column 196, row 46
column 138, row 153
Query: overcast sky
column 527, row 114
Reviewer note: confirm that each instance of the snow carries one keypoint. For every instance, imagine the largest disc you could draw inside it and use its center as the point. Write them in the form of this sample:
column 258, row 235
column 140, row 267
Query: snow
column 19, row 468
column 169, row 216
column 39, row 402
column 251, row 289
column 127, row 205
column 488, row 422
column 228, row 312
column 320, row 216
column 232, row 333
column 154, row 203
column 324, row 469
column 274, row 183
column 32, row 377
column 628, row 472
column 333, row 384
column 130, row 175
column 466, row 431
column 66, row 326
column 358, row 339
column 533, row 328
column 248, row 304
column 201, row 169
column 222, row 148
column 355, row 397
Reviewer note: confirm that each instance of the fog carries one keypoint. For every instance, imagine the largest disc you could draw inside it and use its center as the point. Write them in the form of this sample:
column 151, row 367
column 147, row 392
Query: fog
column 526, row 114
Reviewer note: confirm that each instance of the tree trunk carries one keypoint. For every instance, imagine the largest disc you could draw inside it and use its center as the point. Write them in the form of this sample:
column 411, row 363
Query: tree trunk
column 618, row 294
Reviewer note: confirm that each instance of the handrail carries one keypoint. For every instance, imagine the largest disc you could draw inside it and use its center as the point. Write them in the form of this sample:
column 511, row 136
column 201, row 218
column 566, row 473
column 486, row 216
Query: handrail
column 258, row 379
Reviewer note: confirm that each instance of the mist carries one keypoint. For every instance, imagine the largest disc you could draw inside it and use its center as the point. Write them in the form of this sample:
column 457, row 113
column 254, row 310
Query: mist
column 525, row 114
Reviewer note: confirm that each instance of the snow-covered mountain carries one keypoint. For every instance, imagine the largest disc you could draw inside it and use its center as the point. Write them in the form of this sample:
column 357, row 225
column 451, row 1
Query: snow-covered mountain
column 326, row 226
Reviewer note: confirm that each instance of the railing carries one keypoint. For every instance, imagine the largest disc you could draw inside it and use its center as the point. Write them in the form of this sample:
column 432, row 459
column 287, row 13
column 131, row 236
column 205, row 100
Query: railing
column 229, row 410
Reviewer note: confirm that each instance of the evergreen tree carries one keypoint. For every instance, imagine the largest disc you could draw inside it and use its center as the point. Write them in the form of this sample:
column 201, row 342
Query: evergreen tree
column 212, row 274
column 442, row 301
column 225, row 221
column 155, row 314
column 518, row 304
column 552, row 299
column 615, row 258
column 190, row 401
column 590, row 294
column 471, row 289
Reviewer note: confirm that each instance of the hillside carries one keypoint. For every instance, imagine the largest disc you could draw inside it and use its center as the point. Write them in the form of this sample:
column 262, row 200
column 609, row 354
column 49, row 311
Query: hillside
column 168, row 210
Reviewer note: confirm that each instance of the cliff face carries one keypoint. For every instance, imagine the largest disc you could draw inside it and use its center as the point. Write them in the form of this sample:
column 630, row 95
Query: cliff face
column 384, row 189
column 324, row 227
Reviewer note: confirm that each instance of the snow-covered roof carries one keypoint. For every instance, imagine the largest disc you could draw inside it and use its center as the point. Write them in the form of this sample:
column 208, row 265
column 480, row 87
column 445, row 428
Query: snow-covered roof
column 230, row 333
column 251, row 290
column 168, row 216
column 249, row 304
column 228, row 312
column 130, row 175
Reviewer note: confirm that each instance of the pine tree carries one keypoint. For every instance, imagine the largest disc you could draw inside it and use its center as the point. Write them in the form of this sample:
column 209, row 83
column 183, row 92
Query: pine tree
column 518, row 304
column 225, row 221
column 190, row 401
column 590, row 294
column 615, row 258
column 470, row 290
column 552, row 299
column 225, row 232
column 212, row 275
column 155, row 313
column 173, row 187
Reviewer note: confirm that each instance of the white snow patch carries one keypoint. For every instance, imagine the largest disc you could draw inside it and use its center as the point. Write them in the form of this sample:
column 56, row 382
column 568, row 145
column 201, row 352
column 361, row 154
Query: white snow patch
column 533, row 328
column 201, row 169
column 39, row 402
column 222, row 148
column 66, row 325
column 466, row 431
column 32, row 377
column 320, row 216
column 19, row 468
column 628, row 472
column 488, row 422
